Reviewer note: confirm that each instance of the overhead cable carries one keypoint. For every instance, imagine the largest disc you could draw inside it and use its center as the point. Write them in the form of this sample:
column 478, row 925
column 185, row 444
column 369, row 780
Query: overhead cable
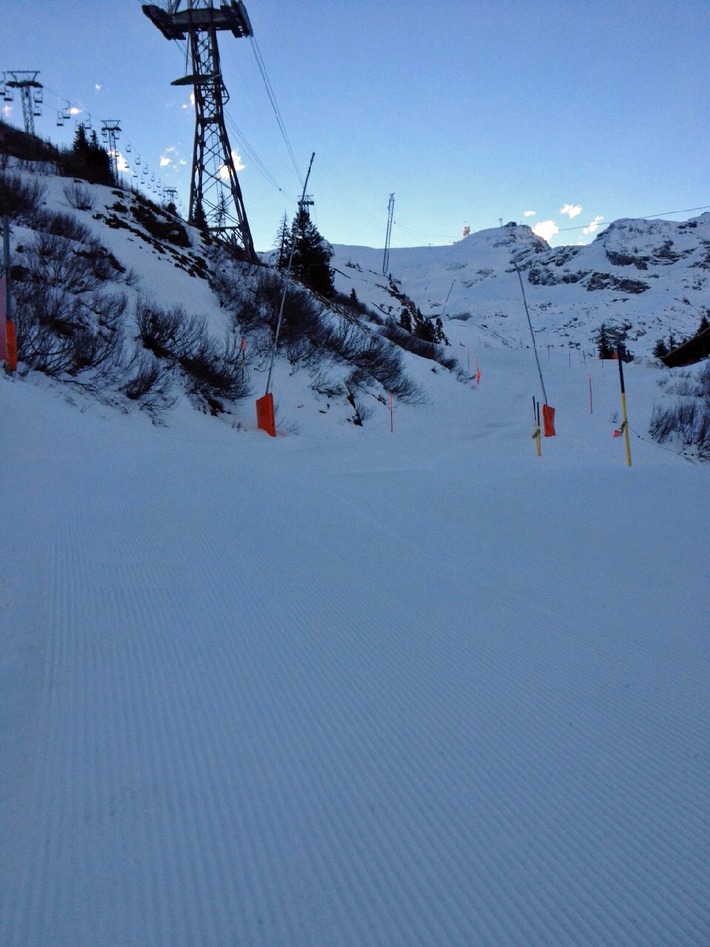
column 272, row 98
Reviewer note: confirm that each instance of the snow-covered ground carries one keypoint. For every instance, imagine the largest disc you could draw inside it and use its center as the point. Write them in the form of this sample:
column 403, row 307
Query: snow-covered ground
column 354, row 686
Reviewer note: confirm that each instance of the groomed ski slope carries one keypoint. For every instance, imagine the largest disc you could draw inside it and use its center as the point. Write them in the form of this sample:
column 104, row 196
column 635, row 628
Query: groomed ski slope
column 353, row 686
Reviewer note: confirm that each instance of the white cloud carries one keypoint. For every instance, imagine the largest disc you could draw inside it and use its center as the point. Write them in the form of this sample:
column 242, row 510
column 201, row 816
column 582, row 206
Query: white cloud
column 593, row 225
column 572, row 210
column 97, row 87
column 546, row 229
column 238, row 165
column 165, row 161
column 529, row 213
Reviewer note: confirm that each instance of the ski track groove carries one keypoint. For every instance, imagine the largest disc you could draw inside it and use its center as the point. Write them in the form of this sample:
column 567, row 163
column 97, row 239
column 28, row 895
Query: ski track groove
column 252, row 748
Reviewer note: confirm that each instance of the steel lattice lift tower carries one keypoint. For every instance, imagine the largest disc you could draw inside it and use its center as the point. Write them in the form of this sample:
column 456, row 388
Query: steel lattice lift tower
column 216, row 202
column 30, row 93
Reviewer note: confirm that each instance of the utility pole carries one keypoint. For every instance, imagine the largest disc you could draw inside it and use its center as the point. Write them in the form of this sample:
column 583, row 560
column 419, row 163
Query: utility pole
column 388, row 236
column 216, row 202
column 31, row 94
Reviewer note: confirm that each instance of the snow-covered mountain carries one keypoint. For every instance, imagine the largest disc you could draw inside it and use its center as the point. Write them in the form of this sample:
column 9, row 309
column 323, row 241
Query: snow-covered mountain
column 117, row 269
column 647, row 278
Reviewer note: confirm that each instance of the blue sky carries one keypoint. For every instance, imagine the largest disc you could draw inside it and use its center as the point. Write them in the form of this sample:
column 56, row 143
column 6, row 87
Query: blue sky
column 562, row 114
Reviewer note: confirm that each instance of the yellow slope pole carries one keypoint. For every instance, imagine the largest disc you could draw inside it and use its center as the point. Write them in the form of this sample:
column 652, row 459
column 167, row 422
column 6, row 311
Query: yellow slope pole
column 625, row 424
column 536, row 421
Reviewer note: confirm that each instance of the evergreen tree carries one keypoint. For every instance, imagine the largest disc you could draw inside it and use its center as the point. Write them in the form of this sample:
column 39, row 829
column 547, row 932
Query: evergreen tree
column 605, row 342
column 660, row 348
column 311, row 254
column 282, row 244
column 91, row 160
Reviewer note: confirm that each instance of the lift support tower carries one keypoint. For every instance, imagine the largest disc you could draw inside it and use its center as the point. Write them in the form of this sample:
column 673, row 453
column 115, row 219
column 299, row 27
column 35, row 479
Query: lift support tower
column 216, row 202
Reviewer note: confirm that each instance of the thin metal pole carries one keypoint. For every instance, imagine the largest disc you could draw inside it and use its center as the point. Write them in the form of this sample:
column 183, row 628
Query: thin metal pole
column 532, row 334
column 446, row 301
column 288, row 276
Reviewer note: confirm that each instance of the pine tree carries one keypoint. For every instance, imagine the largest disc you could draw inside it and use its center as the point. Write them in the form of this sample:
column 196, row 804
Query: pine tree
column 311, row 254
column 91, row 160
column 605, row 344
column 282, row 244
column 660, row 348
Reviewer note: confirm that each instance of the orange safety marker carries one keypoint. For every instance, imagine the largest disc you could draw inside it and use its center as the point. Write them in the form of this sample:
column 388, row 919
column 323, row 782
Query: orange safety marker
column 11, row 345
column 548, row 420
column 265, row 419
column 3, row 333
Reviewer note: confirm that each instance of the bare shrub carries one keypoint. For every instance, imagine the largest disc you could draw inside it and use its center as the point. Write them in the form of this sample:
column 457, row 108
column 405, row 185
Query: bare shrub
column 62, row 225
column 149, row 385
column 362, row 413
column 79, row 196
column 688, row 419
column 166, row 332
column 20, row 199
column 212, row 370
column 57, row 334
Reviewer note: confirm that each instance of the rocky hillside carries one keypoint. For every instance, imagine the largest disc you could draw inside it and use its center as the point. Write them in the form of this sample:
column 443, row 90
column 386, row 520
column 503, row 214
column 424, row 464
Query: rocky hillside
column 647, row 279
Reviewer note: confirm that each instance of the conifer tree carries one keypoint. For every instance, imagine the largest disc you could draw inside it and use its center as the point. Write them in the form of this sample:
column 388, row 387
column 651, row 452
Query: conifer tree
column 311, row 254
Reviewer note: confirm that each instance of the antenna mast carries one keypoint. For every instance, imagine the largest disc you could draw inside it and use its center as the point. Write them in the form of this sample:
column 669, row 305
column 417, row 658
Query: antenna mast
column 216, row 202
column 388, row 237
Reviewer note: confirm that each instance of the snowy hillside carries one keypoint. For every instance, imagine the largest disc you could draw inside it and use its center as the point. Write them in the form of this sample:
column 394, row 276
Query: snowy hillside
column 396, row 683
column 650, row 276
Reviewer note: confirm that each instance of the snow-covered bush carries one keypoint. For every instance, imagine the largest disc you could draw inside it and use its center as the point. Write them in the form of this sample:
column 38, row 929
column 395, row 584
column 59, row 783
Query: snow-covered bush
column 688, row 418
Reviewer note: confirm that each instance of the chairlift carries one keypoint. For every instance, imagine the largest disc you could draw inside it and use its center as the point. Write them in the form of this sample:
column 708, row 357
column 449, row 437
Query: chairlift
column 39, row 96
column 60, row 118
column 128, row 147
column 138, row 158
